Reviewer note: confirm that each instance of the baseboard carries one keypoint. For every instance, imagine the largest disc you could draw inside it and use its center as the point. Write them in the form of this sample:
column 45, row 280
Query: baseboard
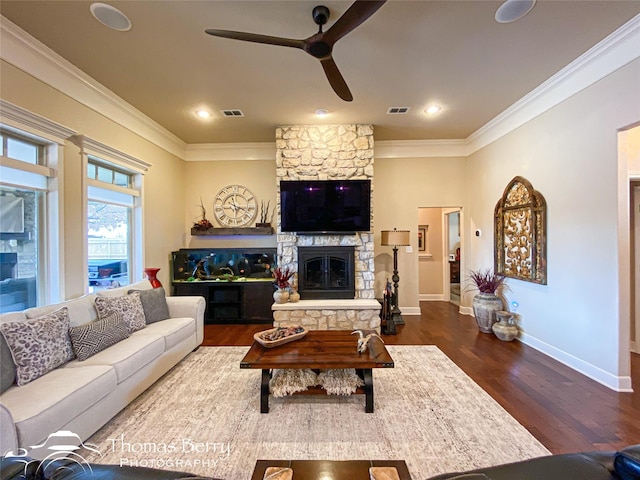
column 431, row 297
column 619, row 384
column 410, row 311
column 466, row 311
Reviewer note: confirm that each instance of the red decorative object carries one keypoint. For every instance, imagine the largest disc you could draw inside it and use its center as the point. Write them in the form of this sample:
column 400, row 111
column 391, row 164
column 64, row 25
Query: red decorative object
column 151, row 275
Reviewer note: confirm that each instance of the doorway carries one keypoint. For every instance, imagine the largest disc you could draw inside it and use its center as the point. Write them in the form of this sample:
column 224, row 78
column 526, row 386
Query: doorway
column 452, row 253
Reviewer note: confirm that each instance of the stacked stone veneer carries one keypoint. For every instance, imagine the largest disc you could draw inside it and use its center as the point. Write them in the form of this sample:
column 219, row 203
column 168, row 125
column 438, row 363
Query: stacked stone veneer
column 329, row 152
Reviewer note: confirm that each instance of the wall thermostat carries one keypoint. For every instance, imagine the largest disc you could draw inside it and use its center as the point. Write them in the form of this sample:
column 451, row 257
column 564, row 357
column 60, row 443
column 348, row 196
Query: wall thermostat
column 478, row 233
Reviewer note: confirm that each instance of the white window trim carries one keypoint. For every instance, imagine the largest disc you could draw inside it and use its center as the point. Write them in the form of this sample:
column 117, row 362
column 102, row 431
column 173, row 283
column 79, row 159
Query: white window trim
column 92, row 148
column 14, row 118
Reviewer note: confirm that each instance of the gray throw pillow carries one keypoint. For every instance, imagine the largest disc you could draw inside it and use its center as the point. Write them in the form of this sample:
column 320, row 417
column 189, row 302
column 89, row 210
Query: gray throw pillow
column 154, row 304
column 39, row 345
column 89, row 339
column 7, row 367
column 128, row 306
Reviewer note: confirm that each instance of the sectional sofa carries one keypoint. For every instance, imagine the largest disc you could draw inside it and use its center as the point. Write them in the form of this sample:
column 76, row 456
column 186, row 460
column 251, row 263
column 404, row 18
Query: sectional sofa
column 72, row 366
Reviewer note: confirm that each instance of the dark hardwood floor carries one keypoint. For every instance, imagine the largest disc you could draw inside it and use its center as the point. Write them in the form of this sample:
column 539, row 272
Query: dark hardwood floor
column 563, row 409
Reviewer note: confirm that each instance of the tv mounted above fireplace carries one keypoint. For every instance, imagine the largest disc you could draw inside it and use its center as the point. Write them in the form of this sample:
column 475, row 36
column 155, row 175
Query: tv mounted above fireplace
column 325, row 206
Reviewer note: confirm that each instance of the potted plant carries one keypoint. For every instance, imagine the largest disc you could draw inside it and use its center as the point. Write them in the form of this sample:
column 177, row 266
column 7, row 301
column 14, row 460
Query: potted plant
column 487, row 302
column 282, row 276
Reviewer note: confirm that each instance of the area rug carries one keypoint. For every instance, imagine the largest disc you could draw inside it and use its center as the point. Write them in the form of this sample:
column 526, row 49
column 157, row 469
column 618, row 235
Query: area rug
column 204, row 417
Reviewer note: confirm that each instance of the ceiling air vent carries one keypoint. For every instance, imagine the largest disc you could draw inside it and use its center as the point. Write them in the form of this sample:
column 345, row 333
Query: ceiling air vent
column 398, row 110
column 232, row 113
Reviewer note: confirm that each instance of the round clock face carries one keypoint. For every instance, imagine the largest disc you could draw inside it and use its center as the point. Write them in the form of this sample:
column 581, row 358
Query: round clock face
column 235, row 206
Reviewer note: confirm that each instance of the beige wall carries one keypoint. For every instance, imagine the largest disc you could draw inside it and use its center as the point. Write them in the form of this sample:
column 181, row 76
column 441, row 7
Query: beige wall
column 164, row 183
column 403, row 185
column 205, row 179
column 431, row 262
column 569, row 154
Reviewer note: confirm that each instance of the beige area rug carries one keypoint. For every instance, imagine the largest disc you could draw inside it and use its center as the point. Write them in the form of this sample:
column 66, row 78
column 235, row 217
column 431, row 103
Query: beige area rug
column 204, row 417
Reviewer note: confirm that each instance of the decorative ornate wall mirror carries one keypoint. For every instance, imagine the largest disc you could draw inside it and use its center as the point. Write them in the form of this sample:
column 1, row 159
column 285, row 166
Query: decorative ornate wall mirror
column 521, row 233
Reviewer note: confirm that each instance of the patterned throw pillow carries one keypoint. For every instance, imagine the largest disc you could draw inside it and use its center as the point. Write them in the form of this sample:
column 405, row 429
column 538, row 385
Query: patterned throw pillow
column 89, row 339
column 128, row 306
column 38, row 345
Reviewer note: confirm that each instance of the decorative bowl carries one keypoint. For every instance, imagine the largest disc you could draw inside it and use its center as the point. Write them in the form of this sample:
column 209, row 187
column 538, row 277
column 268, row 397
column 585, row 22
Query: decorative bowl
column 259, row 336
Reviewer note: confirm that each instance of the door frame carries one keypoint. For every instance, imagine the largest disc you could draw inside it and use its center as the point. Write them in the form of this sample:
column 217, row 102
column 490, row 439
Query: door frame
column 446, row 275
column 635, row 342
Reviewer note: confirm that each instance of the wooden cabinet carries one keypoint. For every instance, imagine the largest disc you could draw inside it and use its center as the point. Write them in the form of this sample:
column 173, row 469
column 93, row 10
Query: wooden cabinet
column 454, row 271
column 232, row 302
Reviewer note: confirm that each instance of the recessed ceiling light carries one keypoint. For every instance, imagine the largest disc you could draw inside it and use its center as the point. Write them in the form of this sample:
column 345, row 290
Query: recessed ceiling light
column 203, row 113
column 433, row 109
column 512, row 10
column 110, row 17
column 322, row 112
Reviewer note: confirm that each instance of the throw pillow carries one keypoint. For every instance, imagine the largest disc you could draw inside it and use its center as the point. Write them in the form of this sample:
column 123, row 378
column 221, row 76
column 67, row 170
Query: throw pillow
column 89, row 339
column 7, row 367
column 154, row 304
column 129, row 306
column 38, row 345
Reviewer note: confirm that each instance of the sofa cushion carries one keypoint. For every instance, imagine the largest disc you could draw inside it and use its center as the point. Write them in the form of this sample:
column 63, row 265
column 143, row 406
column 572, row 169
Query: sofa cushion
column 38, row 345
column 127, row 356
column 173, row 330
column 129, row 306
column 50, row 402
column 81, row 310
column 87, row 340
column 154, row 304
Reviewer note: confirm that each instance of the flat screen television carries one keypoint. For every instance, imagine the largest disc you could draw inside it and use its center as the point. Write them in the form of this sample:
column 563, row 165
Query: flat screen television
column 325, row 206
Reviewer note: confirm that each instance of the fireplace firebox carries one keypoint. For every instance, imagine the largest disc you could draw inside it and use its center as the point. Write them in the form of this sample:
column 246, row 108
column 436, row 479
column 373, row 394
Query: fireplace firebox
column 326, row 273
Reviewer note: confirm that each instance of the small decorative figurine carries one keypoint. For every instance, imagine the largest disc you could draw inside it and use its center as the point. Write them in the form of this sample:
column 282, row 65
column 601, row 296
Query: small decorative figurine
column 363, row 341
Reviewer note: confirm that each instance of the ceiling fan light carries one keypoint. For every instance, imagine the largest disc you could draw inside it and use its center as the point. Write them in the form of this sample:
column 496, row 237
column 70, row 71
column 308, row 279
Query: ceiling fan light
column 322, row 112
column 512, row 10
column 110, row 17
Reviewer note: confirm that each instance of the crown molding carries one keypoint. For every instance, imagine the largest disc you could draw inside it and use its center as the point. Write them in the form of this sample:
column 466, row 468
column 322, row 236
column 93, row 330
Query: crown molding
column 33, row 57
column 208, row 152
column 614, row 52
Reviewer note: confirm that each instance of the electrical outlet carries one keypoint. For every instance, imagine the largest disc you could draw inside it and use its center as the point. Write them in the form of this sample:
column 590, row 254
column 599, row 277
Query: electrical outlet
column 409, row 249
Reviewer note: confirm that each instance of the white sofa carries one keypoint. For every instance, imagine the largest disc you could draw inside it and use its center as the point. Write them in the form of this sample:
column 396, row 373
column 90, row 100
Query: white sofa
column 81, row 396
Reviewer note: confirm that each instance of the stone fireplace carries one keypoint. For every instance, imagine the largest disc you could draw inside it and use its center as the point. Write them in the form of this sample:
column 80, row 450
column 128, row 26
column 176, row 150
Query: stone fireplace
column 324, row 152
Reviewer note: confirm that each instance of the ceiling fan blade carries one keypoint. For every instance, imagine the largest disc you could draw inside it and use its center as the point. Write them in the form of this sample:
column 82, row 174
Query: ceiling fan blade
column 355, row 15
column 336, row 79
column 256, row 38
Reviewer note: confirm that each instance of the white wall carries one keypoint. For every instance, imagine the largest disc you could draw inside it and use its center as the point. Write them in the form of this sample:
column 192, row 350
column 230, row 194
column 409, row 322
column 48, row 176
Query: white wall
column 569, row 154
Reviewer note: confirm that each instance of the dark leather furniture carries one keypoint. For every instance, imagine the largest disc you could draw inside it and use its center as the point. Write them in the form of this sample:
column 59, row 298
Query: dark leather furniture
column 621, row 465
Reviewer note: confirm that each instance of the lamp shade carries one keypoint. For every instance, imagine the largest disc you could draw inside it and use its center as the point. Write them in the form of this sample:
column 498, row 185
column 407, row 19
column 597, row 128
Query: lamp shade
column 395, row 237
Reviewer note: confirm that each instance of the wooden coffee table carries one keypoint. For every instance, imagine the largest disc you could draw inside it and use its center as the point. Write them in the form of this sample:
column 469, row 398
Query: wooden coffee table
column 329, row 469
column 319, row 350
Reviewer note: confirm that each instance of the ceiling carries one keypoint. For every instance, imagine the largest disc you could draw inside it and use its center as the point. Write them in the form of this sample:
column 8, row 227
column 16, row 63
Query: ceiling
column 408, row 54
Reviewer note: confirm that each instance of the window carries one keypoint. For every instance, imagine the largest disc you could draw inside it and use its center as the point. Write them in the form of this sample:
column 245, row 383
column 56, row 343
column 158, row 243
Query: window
column 110, row 213
column 23, row 206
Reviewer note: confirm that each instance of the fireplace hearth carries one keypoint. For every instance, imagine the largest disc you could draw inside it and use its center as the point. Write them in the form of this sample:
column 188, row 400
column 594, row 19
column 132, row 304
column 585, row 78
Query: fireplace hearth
column 326, row 272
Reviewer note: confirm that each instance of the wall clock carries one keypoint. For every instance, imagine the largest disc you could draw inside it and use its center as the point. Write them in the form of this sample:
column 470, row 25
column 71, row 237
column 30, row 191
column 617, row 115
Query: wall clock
column 235, row 206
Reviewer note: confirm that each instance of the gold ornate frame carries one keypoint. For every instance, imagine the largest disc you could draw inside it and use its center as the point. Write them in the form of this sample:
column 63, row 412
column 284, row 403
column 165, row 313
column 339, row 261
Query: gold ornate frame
column 521, row 233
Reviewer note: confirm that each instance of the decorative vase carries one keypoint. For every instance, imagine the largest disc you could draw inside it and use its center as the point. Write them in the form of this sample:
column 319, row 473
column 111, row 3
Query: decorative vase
column 151, row 275
column 281, row 296
column 485, row 306
column 505, row 329
column 294, row 296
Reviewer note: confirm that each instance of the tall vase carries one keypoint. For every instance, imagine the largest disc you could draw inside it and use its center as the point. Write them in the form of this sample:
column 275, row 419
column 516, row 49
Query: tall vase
column 151, row 275
column 485, row 306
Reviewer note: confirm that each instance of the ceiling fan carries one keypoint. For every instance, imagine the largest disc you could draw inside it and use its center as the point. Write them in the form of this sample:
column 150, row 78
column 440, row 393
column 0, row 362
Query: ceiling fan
column 321, row 44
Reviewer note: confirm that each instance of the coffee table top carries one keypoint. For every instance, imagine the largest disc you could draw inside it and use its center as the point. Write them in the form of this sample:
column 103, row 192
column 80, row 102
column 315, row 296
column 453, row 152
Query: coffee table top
column 331, row 470
column 320, row 349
